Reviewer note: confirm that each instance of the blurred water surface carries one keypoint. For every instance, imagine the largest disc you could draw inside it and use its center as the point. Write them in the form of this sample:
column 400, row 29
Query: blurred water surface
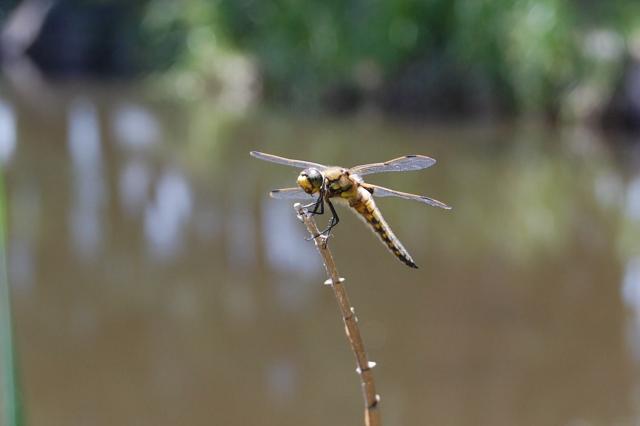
column 155, row 283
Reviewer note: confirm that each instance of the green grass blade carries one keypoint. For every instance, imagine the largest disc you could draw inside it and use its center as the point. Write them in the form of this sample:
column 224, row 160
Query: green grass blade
column 10, row 413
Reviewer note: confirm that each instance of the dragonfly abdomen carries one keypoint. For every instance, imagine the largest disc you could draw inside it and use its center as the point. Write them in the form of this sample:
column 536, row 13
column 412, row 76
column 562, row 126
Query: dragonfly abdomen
column 363, row 203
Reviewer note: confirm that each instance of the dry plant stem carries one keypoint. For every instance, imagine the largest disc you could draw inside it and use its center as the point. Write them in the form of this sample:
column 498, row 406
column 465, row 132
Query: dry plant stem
column 371, row 399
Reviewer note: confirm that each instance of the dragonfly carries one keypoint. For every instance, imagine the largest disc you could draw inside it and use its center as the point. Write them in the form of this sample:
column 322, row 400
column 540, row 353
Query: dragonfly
column 319, row 185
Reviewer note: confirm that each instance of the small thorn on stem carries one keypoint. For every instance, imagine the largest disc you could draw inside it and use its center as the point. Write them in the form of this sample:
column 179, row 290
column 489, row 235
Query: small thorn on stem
column 375, row 403
column 370, row 365
column 330, row 281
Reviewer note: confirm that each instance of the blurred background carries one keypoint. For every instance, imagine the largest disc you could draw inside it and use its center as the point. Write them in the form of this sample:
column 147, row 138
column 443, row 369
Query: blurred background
column 153, row 282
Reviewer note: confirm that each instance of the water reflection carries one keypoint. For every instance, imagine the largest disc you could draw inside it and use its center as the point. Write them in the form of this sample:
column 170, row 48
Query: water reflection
column 281, row 381
column 201, row 296
column 631, row 277
column 608, row 189
column 295, row 264
column 85, row 219
column 167, row 216
column 135, row 127
column 25, row 208
column 632, row 209
column 7, row 132
column 241, row 229
column 134, row 183
column 631, row 295
column 282, row 235
column 22, row 263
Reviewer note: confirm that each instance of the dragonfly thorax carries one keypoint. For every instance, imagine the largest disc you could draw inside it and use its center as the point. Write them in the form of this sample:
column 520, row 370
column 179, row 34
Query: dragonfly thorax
column 310, row 180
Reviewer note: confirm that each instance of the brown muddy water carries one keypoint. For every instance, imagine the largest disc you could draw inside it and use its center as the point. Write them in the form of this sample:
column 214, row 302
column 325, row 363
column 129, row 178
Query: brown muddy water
column 155, row 283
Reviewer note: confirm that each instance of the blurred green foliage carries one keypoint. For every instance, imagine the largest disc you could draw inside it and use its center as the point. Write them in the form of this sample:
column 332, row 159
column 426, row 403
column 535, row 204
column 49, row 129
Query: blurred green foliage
column 563, row 56
column 530, row 53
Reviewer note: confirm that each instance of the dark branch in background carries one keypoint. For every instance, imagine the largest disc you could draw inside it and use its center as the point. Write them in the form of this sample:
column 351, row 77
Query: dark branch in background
column 371, row 399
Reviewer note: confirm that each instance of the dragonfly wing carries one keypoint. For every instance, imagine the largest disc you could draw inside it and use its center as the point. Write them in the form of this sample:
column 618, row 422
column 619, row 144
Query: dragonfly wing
column 286, row 161
column 291, row 194
column 380, row 191
column 401, row 164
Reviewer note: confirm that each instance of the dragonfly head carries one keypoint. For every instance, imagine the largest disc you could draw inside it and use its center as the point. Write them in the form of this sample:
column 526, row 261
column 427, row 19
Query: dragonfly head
column 310, row 180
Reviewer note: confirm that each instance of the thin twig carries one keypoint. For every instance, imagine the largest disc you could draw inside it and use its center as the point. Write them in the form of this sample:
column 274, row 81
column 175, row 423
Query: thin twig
column 371, row 398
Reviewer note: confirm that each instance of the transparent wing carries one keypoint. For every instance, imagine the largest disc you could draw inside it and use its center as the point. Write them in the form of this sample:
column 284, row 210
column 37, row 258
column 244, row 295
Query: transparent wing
column 380, row 191
column 401, row 164
column 286, row 161
column 291, row 194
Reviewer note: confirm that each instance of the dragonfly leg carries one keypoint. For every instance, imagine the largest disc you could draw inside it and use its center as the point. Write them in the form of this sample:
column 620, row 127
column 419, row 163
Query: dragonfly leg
column 318, row 206
column 335, row 219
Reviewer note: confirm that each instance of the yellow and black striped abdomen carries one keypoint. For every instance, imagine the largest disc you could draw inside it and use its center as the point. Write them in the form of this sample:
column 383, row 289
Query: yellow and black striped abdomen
column 363, row 203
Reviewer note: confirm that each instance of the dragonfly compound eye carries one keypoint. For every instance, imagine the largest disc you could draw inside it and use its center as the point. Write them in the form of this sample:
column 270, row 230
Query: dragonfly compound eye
column 310, row 180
